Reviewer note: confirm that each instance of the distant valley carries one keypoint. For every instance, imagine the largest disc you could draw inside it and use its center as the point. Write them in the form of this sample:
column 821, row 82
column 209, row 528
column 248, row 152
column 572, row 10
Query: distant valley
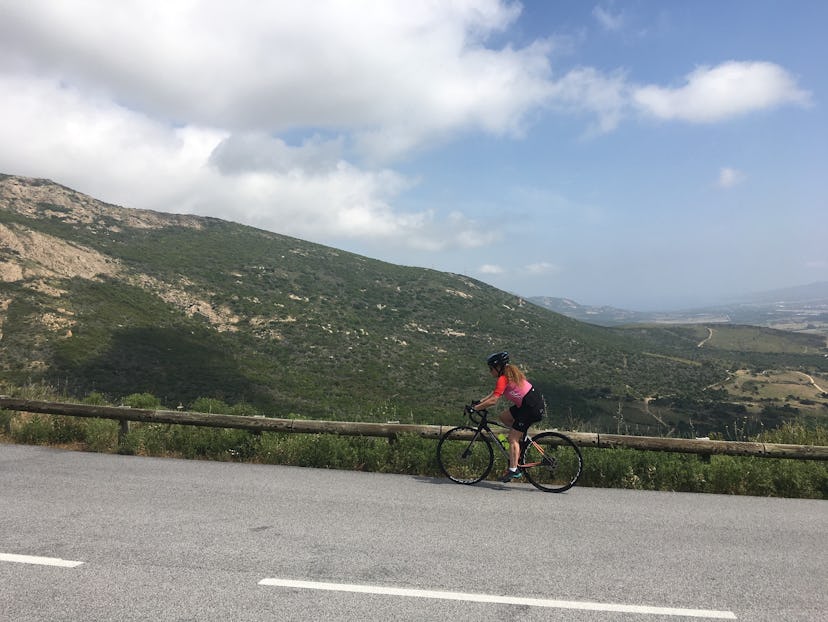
column 798, row 309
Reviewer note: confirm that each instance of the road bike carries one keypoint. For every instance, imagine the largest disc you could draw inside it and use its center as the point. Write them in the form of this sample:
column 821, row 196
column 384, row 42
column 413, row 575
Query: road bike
column 551, row 461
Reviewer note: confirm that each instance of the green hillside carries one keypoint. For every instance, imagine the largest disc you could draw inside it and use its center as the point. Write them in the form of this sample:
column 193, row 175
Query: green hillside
column 95, row 297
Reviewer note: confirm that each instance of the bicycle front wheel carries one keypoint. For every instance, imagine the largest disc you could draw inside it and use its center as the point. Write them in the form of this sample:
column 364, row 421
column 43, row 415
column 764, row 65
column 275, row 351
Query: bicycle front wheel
column 464, row 458
column 552, row 462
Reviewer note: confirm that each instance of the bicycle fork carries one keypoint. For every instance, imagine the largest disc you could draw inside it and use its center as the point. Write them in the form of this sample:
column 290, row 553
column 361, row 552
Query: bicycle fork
column 467, row 451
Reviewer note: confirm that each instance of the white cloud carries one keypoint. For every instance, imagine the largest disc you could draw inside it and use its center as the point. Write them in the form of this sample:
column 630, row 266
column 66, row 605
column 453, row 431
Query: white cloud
column 444, row 93
column 608, row 20
column 587, row 89
column 490, row 269
column 395, row 74
column 343, row 201
column 85, row 140
column 713, row 94
column 542, row 268
column 709, row 95
column 729, row 177
column 258, row 151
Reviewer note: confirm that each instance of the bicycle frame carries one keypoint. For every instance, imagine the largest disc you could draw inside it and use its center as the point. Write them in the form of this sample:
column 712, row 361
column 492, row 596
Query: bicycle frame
column 528, row 440
column 483, row 427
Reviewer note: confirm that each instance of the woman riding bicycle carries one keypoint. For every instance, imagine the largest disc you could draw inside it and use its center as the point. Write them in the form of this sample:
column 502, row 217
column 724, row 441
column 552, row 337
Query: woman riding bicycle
column 528, row 405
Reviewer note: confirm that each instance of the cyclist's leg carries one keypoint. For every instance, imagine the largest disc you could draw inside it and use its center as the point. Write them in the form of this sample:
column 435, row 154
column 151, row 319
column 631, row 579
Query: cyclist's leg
column 515, row 436
column 523, row 418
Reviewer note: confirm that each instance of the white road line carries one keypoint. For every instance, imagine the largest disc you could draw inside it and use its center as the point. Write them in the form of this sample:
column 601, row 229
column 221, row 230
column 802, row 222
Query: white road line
column 41, row 561
column 506, row 600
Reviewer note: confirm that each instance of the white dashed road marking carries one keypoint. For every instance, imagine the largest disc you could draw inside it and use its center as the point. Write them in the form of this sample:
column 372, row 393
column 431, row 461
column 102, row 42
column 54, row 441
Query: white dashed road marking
column 505, row 600
column 40, row 561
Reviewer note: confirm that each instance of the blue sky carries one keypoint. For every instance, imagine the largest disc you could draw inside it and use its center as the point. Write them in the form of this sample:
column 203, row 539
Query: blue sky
column 642, row 154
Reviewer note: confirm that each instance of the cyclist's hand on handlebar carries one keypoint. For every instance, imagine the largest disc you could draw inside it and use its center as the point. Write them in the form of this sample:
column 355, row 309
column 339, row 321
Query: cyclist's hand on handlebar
column 472, row 408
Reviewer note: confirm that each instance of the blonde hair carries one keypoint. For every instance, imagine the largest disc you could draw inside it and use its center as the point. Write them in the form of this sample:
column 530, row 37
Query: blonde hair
column 513, row 374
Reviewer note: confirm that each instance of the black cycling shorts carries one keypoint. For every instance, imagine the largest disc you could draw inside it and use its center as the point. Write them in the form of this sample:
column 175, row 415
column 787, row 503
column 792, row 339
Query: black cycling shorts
column 529, row 412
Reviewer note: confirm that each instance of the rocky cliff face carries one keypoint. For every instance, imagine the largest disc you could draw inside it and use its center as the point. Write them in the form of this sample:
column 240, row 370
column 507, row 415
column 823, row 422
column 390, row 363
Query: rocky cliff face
column 32, row 259
column 29, row 256
column 41, row 198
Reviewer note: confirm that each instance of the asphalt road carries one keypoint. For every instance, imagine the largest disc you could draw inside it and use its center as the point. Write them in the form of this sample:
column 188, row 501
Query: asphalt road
column 101, row 537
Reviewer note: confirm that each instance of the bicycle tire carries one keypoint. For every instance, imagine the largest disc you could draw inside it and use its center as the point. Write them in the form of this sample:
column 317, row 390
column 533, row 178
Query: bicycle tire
column 464, row 459
column 557, row 468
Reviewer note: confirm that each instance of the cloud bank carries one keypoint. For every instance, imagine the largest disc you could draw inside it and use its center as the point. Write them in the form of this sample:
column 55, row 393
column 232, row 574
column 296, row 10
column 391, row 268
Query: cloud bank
column 294, row 120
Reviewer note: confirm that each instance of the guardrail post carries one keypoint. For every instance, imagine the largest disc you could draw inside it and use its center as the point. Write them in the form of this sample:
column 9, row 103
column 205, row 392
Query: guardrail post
column 123, row 430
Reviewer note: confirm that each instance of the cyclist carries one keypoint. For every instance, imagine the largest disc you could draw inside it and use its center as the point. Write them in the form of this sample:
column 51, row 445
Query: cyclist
column 528, row 407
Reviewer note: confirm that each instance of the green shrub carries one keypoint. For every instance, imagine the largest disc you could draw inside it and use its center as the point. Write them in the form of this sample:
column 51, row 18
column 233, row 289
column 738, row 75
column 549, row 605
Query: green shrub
column 95, row 399
column 145, row 401
column 6, row 418
column 147, row 439
column 67, row 429
column 130, row 443
column 646, row 470
column 243, row 410
column 795, row 433
column 101, row 435
column 213, row 443
column 409, row 453
column 210, row 405
column 605, row 467
column 34, row 430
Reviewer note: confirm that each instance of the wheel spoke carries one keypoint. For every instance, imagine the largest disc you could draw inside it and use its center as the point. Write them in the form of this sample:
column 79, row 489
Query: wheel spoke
column 552, row 462
column 464, row 458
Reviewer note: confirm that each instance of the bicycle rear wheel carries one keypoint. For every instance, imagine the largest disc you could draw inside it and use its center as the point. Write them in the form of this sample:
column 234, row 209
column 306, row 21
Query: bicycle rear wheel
column 553, row 463
column 464, row 459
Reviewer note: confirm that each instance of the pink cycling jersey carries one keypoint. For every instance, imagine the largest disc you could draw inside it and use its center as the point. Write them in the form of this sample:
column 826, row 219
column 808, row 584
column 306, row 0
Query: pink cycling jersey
column 510, row 391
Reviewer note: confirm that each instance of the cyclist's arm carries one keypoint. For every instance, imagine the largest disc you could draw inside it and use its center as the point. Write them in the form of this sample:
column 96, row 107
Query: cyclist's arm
column 492, row 398
column 488, row 401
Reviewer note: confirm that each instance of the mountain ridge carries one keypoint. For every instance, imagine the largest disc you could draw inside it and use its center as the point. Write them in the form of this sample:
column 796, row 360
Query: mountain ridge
column 96, row 297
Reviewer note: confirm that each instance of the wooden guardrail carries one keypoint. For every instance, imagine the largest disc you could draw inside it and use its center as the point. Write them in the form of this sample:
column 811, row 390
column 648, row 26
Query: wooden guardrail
column 391, row 430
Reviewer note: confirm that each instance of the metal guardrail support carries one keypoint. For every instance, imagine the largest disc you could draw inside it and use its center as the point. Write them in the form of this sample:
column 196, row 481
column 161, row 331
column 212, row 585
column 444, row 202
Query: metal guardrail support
column 392, row 430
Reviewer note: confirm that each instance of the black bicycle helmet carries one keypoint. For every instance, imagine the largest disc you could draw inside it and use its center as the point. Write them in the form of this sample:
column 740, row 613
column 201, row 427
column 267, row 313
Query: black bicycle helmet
column 498, row 360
